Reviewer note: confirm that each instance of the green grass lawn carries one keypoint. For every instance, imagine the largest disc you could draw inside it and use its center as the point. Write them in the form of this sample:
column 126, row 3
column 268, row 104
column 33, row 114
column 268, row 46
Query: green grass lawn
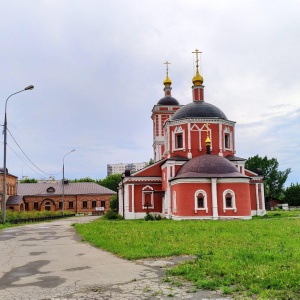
column 258, row 258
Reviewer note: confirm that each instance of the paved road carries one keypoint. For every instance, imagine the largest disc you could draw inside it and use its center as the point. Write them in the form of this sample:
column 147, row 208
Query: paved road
column 48, row 261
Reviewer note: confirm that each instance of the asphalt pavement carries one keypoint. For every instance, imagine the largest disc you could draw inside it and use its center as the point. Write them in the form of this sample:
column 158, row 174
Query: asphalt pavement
column 49, row 261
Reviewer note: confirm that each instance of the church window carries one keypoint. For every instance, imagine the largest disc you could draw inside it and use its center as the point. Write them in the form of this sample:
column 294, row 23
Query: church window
column 227, row 141
column 84, row 204
column 229, row 201
column 178, row 138
column 147, row 197
column 179, row 141
column 227, row 138
column 201, row 201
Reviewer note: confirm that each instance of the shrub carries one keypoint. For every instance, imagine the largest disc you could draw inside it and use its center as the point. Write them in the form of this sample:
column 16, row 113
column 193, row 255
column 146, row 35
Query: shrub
column 149, row 217
column 157, row 217
column 152, row 217
column 112, row 215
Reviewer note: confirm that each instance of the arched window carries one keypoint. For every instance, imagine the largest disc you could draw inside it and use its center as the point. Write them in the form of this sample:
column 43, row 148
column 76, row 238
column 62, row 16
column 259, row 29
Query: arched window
column 227, row 139
column 50, row 189
column 178, row 139
column 147, row 197
column 229, row 200
column 201, row 201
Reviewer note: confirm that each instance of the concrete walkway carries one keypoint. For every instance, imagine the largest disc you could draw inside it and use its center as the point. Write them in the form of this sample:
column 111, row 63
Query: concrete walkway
column 49, row 261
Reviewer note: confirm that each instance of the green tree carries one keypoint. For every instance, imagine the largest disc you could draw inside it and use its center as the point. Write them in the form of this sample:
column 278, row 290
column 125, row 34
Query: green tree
column 150, row 162
column 274, row 179
column 114, row 203
column 28, row 180
column 292, row 195
column 84, row 179
column 111, row 181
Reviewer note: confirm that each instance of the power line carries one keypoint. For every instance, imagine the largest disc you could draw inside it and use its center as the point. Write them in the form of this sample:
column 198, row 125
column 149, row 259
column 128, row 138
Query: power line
column 23, row 160
column 29, row 158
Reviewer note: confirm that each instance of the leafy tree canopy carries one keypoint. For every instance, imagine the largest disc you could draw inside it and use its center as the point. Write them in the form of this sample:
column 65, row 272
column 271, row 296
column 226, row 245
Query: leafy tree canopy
column 84, row 179
column 274, row 179
column 292, row 195
column 28, row 180
column 111, row 182
column 151, row 162
column 114, row 203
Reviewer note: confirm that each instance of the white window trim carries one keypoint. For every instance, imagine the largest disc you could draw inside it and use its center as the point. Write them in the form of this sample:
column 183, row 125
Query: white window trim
column 147, row 190
column 229, row 133
column 204, row 202
column 178, row 130
column 233, row 202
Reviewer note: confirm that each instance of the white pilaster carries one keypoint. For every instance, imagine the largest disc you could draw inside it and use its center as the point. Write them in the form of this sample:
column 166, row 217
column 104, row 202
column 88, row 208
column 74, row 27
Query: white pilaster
column 257, row 199
column 189, row 141
column 159, row 125
column 214, row 198
column 220, row 140
column 132, row 196
column 263, row 197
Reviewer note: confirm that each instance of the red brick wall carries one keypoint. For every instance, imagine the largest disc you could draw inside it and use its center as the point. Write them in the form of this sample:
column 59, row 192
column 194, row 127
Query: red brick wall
column 76, row 199
column 185, row 199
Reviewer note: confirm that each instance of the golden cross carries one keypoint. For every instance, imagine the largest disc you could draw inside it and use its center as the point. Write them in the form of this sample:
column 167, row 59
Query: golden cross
column 167, row 67
column 207, row 128
column 197, row 59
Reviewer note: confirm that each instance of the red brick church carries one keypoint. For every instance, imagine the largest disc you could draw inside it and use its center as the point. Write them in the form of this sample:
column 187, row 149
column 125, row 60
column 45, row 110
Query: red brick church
column 196, row 174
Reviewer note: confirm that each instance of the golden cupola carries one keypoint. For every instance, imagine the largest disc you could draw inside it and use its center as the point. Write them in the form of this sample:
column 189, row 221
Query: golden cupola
column 167, row 81
column 197, row 79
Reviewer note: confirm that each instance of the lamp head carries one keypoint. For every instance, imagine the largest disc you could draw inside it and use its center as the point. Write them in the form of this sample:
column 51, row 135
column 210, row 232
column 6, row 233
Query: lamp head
column 30, row 87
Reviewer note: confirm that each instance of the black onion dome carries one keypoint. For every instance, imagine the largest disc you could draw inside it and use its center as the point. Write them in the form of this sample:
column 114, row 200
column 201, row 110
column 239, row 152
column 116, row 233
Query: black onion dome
column 199, row 109
column 208, row 165
column 168, row 100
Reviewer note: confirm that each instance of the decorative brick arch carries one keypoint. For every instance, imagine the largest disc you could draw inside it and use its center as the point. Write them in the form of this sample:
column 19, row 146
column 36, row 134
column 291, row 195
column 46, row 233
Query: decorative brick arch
column 45, row 206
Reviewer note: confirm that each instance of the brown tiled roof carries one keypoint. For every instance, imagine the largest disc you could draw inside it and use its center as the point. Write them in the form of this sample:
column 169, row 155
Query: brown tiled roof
column 73, row 188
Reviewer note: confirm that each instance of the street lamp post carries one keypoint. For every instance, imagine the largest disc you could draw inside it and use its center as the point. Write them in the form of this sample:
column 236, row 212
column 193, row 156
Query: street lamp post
column 30, row 87
column 63, row 184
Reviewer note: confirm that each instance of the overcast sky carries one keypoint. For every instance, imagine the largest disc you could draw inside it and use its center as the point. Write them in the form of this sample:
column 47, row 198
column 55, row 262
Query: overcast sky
column 97, row 67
